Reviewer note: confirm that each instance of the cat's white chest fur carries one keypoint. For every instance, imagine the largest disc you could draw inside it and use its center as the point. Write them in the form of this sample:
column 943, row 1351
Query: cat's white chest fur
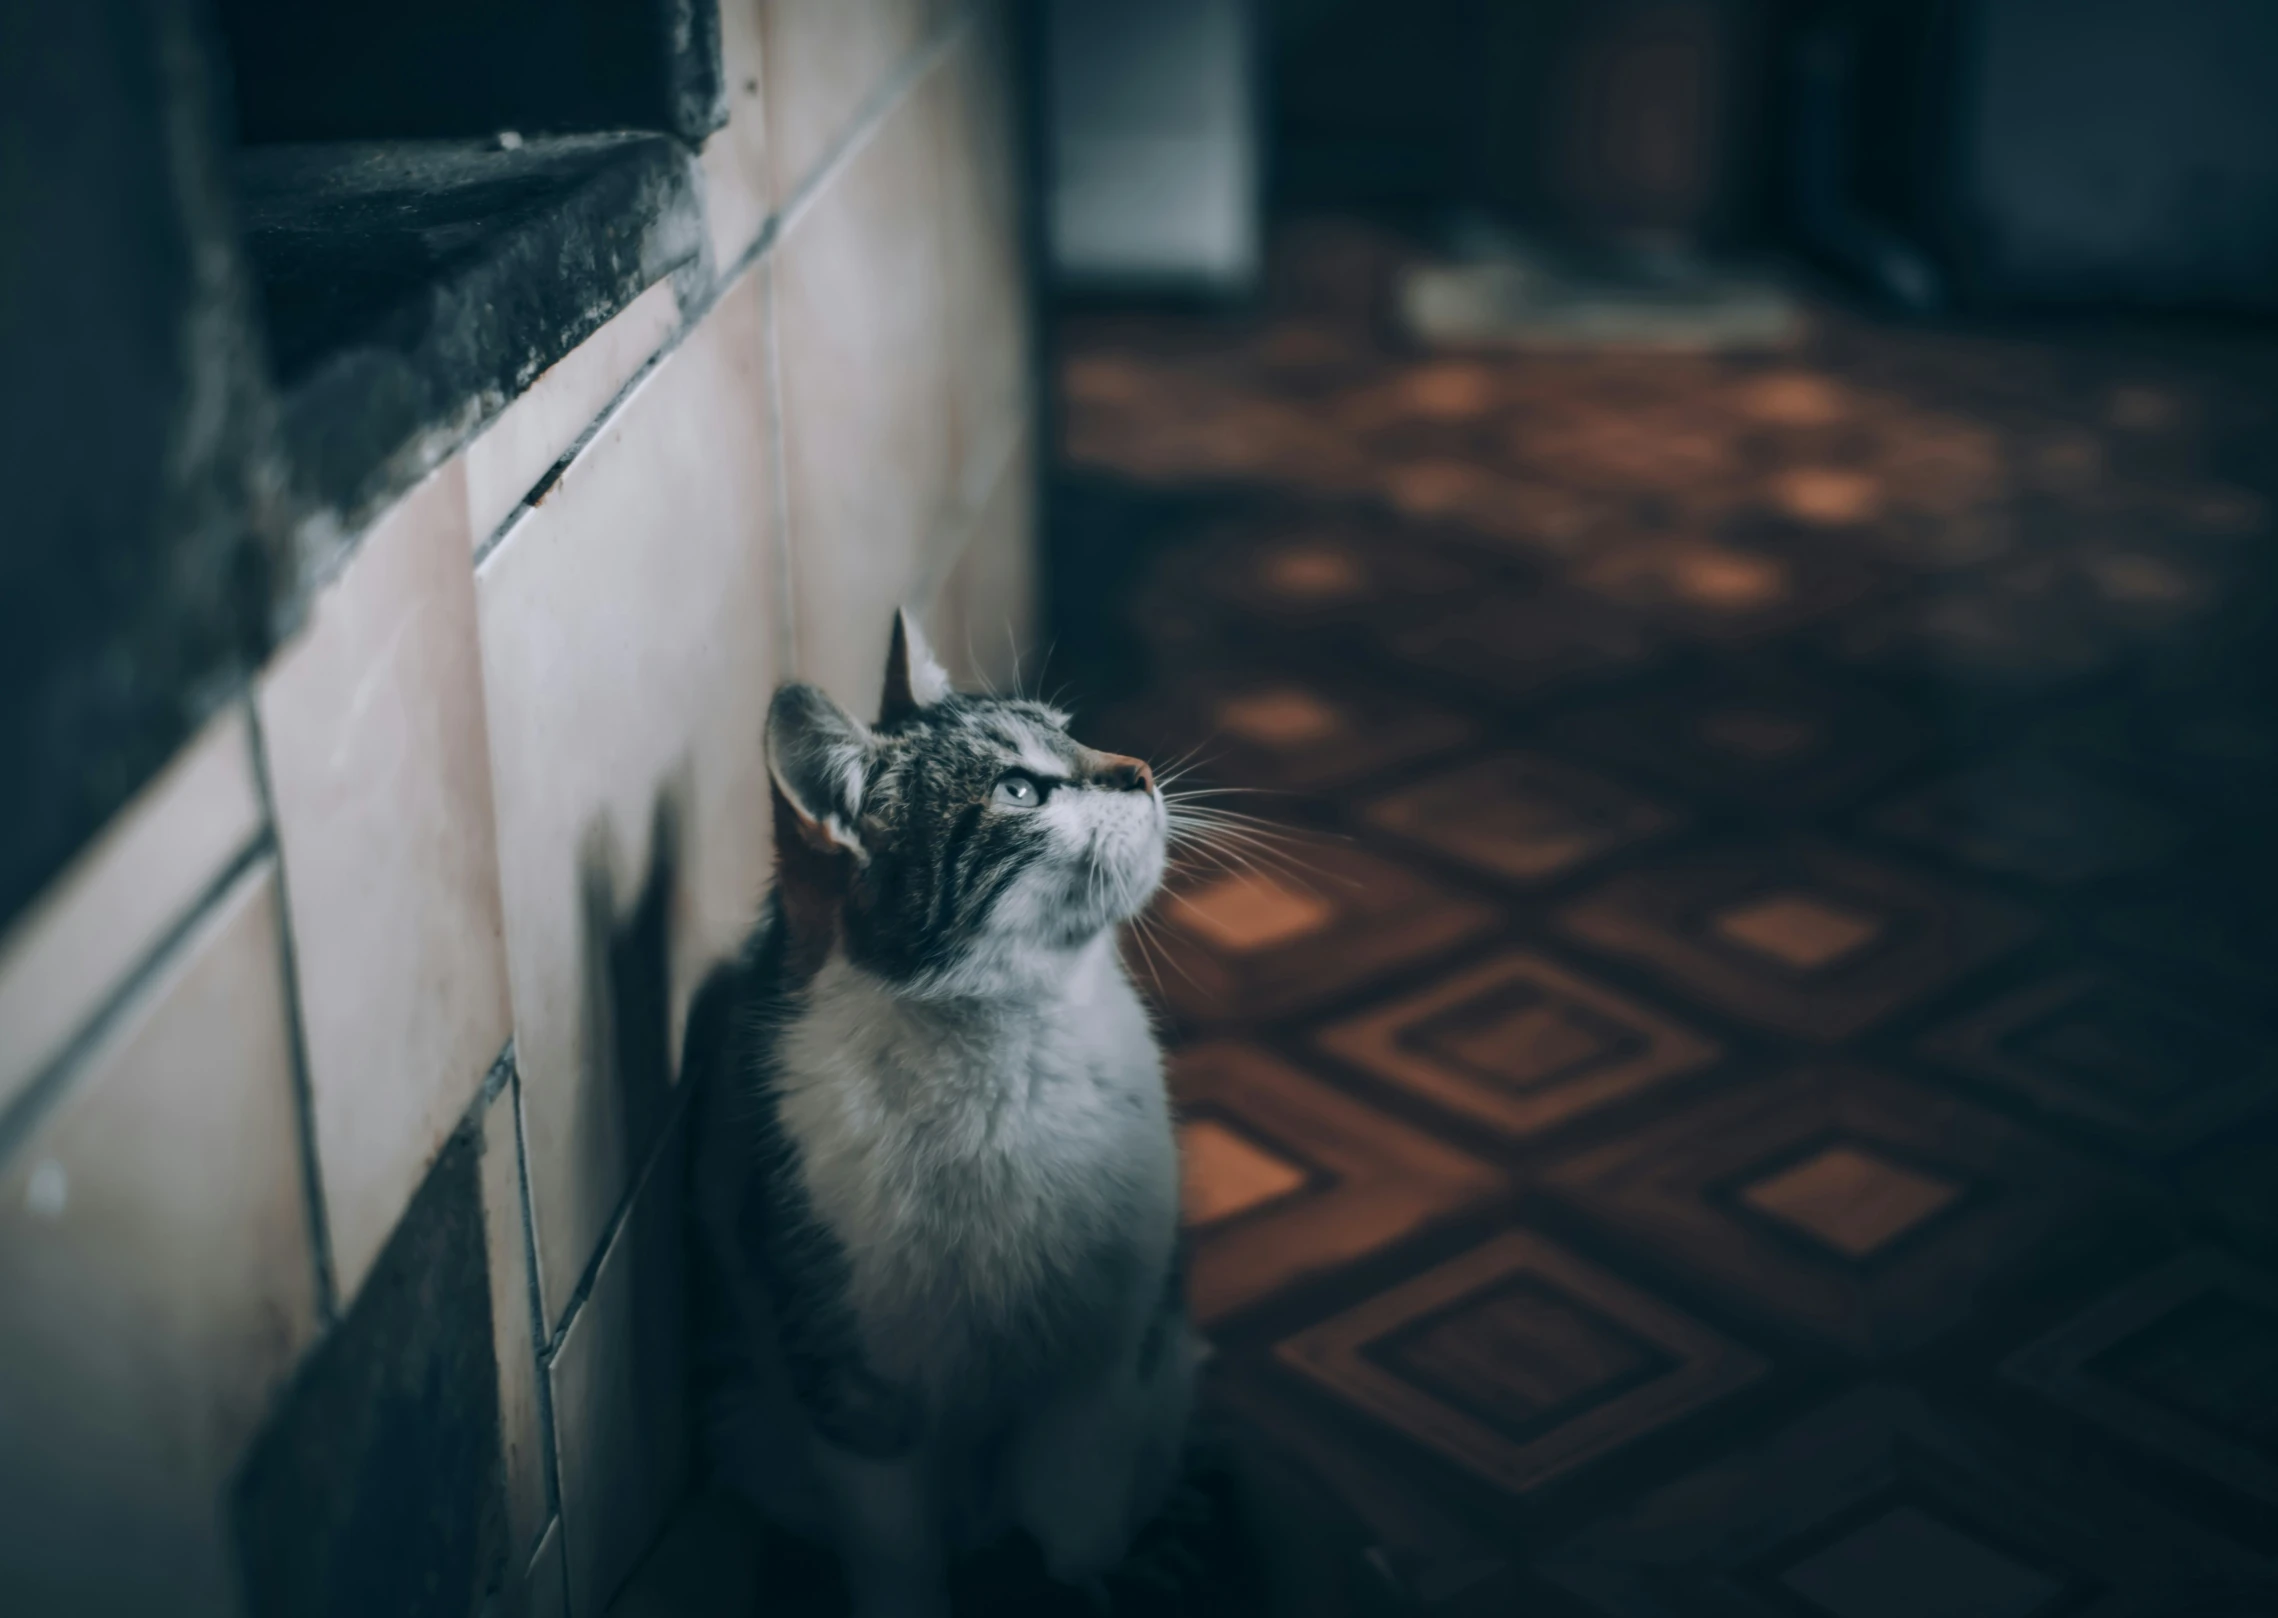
column 987, row 1170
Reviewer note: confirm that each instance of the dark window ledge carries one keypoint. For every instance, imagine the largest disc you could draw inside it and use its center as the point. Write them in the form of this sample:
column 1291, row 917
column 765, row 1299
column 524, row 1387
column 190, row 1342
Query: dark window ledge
column 410, row 289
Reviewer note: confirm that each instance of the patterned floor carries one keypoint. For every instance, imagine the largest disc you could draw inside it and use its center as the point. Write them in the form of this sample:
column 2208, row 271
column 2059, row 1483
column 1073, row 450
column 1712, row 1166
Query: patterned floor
column 1751, row 1090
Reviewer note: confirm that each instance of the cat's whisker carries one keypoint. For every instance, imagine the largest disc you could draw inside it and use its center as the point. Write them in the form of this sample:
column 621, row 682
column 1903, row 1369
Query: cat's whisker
column 1262, row 848
column 1259, row 860
column 1232, row 862
column 1146, row 921
column 1201, row 819
column 1179, row 794
column 1152, row 952
column 974, row 663
column 1189, row 761
column 1250, row 830
column 1021, row 691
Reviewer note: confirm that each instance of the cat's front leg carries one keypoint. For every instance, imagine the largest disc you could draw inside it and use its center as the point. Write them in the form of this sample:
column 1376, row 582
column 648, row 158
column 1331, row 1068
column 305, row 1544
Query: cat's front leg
column 872, row 1455
column 1095, row 1459
column 888, row 1532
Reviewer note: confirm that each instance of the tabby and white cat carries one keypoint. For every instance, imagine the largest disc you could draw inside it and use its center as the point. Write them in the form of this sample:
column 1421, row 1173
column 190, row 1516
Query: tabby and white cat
column 935, row 1183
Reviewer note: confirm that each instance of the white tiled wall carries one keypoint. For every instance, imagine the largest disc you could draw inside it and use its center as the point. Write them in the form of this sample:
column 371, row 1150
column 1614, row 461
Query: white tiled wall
column 982, row 614
column 826, row 60
column 522, row 442
column 513, row 1323
column 863, row 323
column 987, row 308
column 737, row 182
column 379, row 774
column 621, row 1416
column 236, row 1032
column 628, row 652
column 157, row 1279
column 115, row 902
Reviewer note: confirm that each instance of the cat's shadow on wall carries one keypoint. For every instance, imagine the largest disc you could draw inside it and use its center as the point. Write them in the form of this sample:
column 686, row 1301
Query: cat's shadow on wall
column 626, row 974
column 640, row 1293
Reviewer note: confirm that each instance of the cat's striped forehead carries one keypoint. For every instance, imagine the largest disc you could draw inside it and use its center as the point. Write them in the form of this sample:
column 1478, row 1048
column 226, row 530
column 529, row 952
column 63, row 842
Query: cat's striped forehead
column 973, row 737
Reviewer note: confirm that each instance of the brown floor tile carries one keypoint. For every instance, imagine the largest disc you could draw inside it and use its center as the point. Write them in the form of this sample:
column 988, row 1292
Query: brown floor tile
column 1407, row 1520
column 1875, row 1506
column 1258, row 943
column 1785, row 740
column 2033, row 623
column 1518, row 646
column 1287, row 1179
column 2214, row 926
column 1859, row 1209
column 1520, row 1361
column 2213, row 748
column 1285, row 731
column 1316, row 570
column 2033, row 818
column 1519, row 1046
column 2183, row 1361
column 2228, row 1186
column 1798, row 937
column 1519, row 816
column 1722, row 590
column 2147, row 1070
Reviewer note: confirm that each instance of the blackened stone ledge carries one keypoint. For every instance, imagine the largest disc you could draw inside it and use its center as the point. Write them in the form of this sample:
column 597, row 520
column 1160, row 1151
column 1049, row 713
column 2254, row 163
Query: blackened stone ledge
column 411, row 289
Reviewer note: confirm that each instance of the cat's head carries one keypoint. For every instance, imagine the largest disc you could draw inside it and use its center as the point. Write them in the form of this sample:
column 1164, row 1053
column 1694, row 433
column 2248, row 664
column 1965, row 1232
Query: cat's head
column 960, row 845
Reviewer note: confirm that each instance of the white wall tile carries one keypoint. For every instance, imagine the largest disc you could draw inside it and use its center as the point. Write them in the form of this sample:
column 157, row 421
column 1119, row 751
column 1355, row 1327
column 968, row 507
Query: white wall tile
column 825, row 60
column 628, row 653
column 508, row 457
column 619, row 1396
column 737, row 185
column 982, row 617
column 113, row 904
column 862, row 330
column 520, row 1440
column 983, row 258
column 547, row 1590
column 710, row 1561
column 158, row 1282
column 380, row 776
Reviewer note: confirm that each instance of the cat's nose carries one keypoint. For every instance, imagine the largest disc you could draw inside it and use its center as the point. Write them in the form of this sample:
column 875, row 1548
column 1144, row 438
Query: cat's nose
column 1121, row 774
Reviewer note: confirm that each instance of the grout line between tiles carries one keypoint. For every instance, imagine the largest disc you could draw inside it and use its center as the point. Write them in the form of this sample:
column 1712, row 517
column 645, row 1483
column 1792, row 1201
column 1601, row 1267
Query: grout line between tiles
column 586, row 435
column 552, row 1525
column 304, row 1093
column 618, row 1219
column 494, row 1079
column 867, row 120
column 23, row 1114
column 549, row 1464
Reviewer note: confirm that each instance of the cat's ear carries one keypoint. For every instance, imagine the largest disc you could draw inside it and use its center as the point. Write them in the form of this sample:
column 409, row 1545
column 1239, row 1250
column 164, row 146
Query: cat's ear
column 817, row 754
column 913, row 679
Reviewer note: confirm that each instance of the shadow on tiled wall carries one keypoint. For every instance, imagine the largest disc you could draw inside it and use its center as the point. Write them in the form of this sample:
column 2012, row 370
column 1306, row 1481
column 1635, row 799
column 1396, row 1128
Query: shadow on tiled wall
column 390, row 1437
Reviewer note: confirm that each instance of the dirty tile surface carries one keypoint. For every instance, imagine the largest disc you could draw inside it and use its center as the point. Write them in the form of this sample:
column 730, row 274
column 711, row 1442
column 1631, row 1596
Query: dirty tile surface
column 401, row 1400
column 1743, row 1080
column 120, row 898
column 379, row 767
column 155, row 1252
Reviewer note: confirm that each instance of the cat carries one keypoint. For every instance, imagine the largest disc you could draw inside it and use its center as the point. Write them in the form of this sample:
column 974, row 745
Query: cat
column 935, row 1184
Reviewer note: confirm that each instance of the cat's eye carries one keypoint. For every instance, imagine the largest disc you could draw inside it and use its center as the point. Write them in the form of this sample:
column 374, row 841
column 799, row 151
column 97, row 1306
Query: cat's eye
column 1018, row 792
